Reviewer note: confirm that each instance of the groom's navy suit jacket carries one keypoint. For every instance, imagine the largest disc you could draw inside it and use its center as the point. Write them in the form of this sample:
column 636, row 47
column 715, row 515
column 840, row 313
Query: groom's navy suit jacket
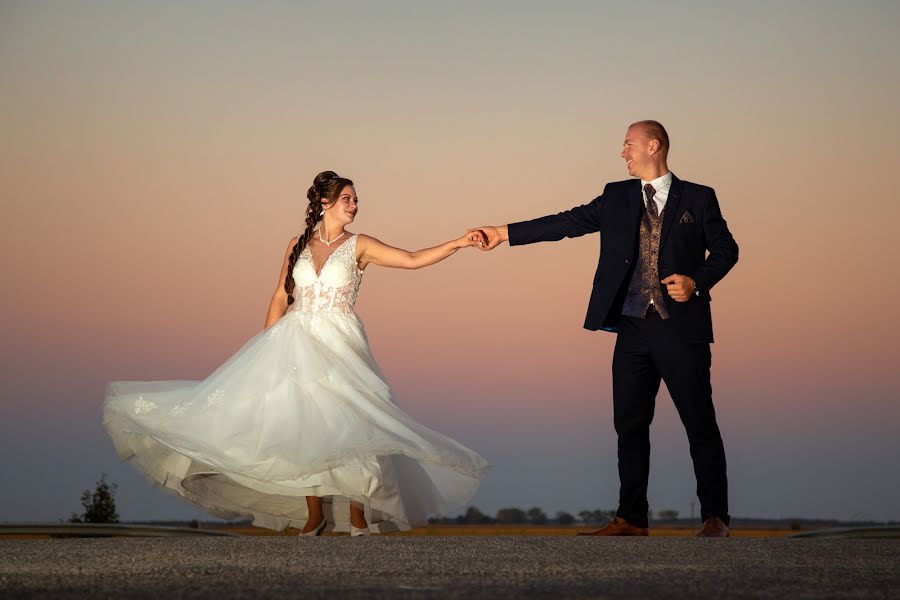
column 692, row 224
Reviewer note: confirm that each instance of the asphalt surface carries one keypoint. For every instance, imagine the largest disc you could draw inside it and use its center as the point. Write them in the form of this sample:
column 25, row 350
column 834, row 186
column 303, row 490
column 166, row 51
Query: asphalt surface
column 449, row 567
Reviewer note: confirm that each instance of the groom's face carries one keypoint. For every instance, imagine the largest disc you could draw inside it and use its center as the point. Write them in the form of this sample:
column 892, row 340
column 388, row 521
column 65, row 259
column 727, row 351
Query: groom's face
column 636, row 151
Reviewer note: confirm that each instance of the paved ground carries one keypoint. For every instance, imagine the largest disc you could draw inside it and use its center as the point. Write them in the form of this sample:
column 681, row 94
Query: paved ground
column 423, row 567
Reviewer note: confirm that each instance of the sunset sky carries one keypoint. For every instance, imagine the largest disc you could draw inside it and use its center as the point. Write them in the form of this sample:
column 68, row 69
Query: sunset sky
column 154, row 162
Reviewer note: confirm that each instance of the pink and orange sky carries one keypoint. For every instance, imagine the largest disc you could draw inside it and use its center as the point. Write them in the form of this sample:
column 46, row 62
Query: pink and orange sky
column 155, row 159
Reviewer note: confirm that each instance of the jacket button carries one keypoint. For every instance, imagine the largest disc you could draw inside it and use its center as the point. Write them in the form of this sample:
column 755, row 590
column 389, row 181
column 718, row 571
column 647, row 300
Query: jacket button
column 626, row 260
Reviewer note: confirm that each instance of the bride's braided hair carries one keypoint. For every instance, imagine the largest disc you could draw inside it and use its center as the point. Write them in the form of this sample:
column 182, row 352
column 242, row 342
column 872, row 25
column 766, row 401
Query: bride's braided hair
column 328, row 185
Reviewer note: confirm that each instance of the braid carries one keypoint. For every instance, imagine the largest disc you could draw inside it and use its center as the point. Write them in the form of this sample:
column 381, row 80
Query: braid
column 312, row 218
column 327, row 184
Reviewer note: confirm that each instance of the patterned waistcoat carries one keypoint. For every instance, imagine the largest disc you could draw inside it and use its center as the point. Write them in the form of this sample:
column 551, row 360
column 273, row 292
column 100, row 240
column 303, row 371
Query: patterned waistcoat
column 645, row 279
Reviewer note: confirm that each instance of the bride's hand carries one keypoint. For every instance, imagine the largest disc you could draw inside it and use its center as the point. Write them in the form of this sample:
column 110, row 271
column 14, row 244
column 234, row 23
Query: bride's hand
column 473, row 238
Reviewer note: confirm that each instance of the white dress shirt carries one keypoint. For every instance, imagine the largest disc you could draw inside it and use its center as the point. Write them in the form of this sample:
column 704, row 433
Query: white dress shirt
column 661, row 185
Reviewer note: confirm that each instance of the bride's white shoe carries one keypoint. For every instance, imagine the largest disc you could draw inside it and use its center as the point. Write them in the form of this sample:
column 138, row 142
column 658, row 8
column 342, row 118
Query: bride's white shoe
column 317, row 530
column 355, row 531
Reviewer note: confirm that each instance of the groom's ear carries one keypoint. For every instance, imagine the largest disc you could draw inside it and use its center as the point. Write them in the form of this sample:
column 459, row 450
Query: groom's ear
column 654, row 146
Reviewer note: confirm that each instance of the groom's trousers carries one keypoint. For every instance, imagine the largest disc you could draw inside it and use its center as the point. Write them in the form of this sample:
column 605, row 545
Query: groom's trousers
column 646, row 351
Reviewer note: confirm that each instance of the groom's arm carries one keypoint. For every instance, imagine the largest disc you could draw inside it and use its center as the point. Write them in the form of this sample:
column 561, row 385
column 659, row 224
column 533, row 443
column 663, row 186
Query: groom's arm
column 723, row 250
column 574, row 222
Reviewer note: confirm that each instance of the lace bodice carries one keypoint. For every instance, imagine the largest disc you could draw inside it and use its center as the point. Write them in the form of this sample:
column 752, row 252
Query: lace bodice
column 336, row 286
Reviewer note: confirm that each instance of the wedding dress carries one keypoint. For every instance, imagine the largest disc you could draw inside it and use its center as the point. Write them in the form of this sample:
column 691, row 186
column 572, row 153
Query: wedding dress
column 301, row 409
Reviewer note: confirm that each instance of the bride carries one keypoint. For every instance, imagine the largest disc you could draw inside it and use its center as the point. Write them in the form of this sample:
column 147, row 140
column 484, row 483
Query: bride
column 301, row 410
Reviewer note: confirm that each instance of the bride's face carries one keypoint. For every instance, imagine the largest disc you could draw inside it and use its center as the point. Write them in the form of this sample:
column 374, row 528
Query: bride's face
column 344, row 209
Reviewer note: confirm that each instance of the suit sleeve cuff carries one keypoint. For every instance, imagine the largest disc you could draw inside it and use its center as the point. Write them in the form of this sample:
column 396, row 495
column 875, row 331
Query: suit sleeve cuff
column 699, row 284
column 512, row 231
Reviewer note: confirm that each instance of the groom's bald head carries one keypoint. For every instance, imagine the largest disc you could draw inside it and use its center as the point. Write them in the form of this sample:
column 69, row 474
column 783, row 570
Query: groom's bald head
column 654, row 130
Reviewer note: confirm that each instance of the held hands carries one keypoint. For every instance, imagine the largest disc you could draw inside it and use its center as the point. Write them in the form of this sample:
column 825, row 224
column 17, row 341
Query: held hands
column 493, row 236
column 680, row 287
column 473, row 237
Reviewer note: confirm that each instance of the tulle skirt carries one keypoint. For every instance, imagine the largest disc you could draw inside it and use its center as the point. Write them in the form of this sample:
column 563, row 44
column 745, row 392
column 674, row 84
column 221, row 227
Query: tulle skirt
column 301, row 409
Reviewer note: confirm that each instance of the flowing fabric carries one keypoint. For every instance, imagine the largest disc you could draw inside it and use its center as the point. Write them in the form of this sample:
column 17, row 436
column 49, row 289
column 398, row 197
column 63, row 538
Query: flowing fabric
column 301, row 409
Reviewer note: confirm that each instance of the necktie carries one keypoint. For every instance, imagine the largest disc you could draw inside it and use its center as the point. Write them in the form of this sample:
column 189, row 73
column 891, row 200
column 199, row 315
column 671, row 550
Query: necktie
column 651, row 205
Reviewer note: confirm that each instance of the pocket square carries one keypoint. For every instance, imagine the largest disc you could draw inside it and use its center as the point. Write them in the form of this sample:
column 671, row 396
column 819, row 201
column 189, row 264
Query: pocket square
column 687, row 217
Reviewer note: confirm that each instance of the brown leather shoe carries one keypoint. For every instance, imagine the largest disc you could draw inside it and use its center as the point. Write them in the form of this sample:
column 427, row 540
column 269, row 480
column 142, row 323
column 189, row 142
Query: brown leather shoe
column 618, row 526
column 713, row 527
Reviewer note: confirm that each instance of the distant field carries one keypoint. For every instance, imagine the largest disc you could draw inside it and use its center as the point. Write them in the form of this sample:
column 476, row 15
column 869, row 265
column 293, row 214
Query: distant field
column 522, row 530
column 475, row 530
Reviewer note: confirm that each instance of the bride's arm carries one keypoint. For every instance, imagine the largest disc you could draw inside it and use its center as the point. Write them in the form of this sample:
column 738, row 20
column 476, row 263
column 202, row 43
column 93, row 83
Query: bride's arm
column 278, row 305
column 371, row 250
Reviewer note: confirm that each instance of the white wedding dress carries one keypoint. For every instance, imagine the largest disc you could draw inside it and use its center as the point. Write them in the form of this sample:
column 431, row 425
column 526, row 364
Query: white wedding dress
column 301, row 409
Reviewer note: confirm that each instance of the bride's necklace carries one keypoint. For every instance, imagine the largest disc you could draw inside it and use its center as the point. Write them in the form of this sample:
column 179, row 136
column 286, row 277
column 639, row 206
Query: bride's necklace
column 321, row 239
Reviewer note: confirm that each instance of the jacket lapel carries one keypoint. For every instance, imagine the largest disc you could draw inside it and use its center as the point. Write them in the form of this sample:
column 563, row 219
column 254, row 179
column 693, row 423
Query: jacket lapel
column 670, row 210
column 634, row 208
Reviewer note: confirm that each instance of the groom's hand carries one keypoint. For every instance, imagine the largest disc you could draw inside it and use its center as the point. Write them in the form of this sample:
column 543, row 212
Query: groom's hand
column 494, row 235
column 473, row 238
column 680, row 287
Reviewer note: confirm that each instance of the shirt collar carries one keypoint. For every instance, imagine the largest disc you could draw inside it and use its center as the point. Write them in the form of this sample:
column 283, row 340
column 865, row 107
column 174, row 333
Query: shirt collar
column 659, row 183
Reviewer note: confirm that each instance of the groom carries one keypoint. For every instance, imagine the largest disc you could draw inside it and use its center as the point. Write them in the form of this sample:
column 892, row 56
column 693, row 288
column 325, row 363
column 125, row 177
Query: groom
column 652, row 287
